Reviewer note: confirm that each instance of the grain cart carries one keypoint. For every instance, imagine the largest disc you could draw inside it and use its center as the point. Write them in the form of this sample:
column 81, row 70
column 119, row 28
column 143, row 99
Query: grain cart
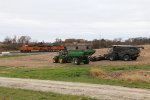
column 120, row 52
column 123, row 52
column 75, row 56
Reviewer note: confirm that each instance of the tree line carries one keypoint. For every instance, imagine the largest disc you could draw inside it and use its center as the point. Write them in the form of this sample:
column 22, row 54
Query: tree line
column 104, row 43
column 16, row 42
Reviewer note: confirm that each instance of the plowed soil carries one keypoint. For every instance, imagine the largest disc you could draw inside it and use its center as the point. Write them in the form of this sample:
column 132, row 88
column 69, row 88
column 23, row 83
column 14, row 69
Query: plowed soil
column 45, row 60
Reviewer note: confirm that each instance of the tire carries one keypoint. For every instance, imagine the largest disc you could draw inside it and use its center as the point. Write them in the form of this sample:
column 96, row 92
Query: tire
column 62, row 60
column 76, row 61
column 55, row 60
column 134, row 58
column 126, row 58
column 86, row 60
column 112, row 58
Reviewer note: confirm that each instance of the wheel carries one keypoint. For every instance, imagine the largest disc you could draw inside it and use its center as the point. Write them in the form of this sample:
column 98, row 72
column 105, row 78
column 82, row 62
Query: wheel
column 126, row 58
column 86, row 60
column 62, row 60
column 134, row 58
column 76, row 61
column 55, row 60
column 112, row 58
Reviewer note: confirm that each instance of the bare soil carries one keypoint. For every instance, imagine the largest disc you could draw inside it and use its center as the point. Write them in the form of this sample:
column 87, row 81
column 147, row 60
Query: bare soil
column 45, row 59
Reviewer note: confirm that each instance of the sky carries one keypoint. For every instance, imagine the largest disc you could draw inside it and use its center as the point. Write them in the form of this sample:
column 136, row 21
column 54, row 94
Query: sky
column 89, row 19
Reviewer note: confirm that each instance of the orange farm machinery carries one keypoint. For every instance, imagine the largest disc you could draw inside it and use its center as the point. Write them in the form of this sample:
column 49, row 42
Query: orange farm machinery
column 29, row 48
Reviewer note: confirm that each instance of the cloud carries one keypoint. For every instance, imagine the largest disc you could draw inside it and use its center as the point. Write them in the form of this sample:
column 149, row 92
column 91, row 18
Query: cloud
column 74, row 18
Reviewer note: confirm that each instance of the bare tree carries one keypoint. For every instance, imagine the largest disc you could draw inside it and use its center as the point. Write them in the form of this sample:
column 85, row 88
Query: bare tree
column 24, row 39
column 14, row 40
column 58, row 41
column 7, row 40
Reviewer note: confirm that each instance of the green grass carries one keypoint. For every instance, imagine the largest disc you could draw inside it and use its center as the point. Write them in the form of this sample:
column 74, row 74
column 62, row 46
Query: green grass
column 16, row 55
column 74, row 73
column 126, row 68
column 19, row 94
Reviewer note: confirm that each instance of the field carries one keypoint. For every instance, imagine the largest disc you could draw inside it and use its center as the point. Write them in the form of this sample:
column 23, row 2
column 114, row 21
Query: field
column 45, row 60
column 135, row 74
column 129, row 76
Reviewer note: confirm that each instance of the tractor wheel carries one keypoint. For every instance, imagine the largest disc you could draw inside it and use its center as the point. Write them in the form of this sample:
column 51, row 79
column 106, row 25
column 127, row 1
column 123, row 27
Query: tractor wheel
column 76, row 61
column 62, row 60
column 55, row 60
column 86, row 60
column 126, row 58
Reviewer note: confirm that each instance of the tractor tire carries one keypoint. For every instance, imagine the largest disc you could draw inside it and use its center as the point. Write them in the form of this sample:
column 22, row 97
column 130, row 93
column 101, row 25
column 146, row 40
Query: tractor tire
column 62, row 60
column 126, row 58
column 55, row 60
column 76, row 61
column 86, row 60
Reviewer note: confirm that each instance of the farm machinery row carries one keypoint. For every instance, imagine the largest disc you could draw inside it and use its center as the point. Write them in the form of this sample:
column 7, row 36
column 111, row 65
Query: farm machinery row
column 42, row 48
column 117, row 52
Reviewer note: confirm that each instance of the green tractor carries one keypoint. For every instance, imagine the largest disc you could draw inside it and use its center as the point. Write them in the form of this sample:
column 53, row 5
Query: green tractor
column 75, row 56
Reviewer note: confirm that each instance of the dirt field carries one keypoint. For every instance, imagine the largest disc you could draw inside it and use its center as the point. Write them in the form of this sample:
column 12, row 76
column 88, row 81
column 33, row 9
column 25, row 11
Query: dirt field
column 102, row 92
column 45, row 60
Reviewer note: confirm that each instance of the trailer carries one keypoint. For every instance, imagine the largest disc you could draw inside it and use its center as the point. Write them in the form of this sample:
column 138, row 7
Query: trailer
column 120, row 52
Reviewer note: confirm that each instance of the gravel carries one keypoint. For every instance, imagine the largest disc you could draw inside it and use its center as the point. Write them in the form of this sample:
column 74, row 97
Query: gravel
column 104, row 92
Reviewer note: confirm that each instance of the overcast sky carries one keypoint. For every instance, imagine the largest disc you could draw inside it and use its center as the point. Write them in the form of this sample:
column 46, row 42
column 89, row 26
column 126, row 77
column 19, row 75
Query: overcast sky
column 89, row 19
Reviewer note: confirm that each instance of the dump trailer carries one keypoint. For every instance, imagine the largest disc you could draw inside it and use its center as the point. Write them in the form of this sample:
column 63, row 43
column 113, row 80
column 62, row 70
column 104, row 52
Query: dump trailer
column 75, row 56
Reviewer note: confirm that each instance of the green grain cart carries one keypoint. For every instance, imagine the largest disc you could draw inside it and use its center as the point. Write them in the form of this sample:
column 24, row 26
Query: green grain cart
column 75, row 56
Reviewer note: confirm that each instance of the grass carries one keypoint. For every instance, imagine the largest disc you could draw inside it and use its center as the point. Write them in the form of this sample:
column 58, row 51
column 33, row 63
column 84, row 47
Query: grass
column 75, row 74
column 18, row 55
column 19, row 94
column 126, row 68
column 15, row 55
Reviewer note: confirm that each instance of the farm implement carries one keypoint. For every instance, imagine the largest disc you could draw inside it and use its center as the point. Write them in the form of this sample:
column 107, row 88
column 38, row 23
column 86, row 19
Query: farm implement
column 75, row 56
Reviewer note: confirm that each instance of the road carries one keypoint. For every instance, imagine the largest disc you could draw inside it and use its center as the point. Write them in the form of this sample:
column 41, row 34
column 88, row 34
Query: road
column 106, row 92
